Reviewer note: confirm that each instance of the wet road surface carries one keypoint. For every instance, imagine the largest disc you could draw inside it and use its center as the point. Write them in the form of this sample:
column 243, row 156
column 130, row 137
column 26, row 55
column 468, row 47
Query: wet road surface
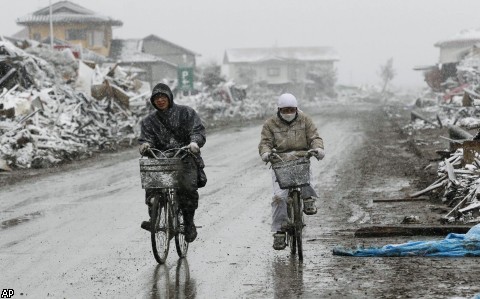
column 77, row 234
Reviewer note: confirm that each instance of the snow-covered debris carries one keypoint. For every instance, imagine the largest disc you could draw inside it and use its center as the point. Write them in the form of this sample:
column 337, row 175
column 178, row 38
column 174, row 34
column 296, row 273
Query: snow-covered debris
column 53, row 120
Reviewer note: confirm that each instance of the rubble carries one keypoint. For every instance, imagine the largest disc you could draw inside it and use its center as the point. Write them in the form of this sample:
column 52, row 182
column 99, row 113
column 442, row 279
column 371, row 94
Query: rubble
column 46, row 118
column 454, row 104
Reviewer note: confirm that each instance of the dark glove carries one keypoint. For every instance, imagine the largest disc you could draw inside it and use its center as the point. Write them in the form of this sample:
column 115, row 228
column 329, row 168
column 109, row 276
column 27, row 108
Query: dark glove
column 144, row 148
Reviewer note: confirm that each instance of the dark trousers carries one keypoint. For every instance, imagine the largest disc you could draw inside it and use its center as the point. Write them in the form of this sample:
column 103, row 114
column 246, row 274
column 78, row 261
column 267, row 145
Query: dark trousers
column 187, row 192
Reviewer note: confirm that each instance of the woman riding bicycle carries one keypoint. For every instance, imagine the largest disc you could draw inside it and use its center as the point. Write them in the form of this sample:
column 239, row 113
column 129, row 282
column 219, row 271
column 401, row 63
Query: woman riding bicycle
column 175, row 126
column 291, row 133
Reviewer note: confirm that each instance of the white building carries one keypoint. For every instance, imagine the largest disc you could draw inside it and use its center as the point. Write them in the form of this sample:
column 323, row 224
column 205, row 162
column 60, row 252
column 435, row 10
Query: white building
column 453, row 49
column 282, row 68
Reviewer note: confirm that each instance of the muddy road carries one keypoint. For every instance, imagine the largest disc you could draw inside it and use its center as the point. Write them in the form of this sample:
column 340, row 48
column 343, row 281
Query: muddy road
column 76, row 233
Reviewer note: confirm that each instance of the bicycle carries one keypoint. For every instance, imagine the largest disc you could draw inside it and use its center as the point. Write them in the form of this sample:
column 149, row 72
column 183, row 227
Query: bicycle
column 293, row 175
column 166, row 219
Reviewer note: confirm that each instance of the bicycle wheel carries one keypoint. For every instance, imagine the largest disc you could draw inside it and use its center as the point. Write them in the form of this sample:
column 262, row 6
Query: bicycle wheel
column 298, row 222
column 160, row 234
column 291, row 241
column 180, row 243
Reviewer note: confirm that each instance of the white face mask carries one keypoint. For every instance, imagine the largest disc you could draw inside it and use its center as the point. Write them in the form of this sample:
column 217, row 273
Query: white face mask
column 288, row 117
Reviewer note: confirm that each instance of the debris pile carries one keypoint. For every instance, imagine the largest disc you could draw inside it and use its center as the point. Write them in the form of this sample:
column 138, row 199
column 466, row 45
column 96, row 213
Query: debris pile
column 458, row 184
column 50, row 113
column 452, row 106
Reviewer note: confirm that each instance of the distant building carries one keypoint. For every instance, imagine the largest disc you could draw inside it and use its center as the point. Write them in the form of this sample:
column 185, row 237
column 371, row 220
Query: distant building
column 280, row 68
column 73, row 24
column 452, row 51
column 158, row 57
column 169, row 51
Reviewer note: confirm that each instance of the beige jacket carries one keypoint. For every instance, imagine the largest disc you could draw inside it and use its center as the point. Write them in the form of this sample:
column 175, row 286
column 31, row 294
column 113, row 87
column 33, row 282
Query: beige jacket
column 298, row 137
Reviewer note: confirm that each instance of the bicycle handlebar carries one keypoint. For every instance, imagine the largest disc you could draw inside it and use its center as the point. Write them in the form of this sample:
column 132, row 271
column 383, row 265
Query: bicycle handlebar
column 274, row 154
column 184, row 148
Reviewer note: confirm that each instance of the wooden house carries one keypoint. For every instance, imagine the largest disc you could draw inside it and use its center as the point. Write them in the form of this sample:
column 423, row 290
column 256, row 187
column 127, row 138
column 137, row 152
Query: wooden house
column 72, row 23
column 158, row 57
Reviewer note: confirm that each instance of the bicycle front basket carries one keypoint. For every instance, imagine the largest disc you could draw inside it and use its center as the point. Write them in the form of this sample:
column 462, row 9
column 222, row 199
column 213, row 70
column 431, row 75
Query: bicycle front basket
column 160, row 173
column 292, row 174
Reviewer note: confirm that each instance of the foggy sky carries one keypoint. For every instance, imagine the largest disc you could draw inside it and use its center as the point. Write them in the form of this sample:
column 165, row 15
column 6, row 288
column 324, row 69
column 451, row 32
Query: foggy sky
column 364, row 32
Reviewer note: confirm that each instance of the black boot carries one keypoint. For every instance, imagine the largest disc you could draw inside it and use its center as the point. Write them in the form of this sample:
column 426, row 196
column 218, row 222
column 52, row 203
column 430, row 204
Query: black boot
column 146, row 224
column 190, row 229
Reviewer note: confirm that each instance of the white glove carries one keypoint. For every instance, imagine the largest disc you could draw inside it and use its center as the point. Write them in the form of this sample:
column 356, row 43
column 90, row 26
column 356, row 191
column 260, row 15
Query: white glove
column 265, row 157
column 194, row 148
column 144, row 147
column 318, row 152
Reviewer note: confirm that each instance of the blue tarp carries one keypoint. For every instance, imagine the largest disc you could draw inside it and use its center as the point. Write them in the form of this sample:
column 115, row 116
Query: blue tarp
column 454, row 245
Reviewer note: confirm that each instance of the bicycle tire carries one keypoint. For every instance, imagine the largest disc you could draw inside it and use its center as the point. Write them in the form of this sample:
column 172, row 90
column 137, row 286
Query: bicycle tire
column 297, row 209
column 291, row 240
column 180, row 244
column 160, row 229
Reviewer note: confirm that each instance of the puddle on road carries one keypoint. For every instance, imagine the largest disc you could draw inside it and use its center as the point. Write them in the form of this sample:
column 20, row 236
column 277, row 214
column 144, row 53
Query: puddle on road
column 167, row 283
column 16, row 221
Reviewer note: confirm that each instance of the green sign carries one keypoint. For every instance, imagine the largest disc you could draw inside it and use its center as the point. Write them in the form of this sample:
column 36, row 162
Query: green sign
column 185, row 78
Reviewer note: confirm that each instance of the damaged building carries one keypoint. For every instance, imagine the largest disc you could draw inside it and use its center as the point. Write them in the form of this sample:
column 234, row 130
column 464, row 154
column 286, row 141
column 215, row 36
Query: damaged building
column 452, row 51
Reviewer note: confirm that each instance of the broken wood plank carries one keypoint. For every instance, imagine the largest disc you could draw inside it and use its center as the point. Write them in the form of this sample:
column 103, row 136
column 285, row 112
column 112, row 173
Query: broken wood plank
column 456, row 132
column 9, row 74
column 430, row 188
column 409, row 230
column 439, row 121
column 401, row 199
column 415, row 114
column 451, row 173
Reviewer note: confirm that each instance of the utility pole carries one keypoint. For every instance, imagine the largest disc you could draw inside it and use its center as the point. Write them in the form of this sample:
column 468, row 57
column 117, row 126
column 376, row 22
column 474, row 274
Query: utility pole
column 51, row 26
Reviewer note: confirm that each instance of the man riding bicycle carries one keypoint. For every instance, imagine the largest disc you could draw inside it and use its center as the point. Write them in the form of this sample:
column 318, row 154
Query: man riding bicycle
column 175, row 126
column 291, row 133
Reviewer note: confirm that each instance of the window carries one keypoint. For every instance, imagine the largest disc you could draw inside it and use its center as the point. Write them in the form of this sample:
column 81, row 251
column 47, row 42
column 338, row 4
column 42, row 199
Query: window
column 37, row 36
column 96, row 38
column 75, row 34
column 273, row 71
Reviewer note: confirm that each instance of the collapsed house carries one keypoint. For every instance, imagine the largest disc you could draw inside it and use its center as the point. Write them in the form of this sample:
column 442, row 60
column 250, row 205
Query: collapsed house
column 52, row 113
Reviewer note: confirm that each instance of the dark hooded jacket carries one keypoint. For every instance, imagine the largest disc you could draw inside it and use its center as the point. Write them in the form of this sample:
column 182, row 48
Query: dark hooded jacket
column 184, row 125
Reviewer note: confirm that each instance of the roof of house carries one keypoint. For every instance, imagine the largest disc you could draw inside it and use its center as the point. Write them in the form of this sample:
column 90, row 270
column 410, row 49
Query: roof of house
column 66, row 12
column 154, row 37
column 130, row 50
column 256, row 55
column 464, row 36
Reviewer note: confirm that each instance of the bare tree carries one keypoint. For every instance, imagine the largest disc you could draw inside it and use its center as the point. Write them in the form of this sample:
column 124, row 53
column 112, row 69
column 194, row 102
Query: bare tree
column 211, row 75
column 387, row 73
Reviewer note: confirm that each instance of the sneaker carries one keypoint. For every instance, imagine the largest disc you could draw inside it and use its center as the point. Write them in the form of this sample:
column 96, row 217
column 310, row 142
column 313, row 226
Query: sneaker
column 190, row 233
column 279, row 241
column 146, row 225
column 309, row 207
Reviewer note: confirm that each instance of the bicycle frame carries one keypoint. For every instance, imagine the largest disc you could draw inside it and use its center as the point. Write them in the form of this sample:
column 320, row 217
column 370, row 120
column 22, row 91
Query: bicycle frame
column 165, row 203
column 295, row 214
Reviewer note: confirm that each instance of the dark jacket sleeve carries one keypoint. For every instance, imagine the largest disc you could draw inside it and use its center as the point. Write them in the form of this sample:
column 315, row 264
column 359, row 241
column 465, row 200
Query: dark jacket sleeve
column 146, row 132
column 197, row 134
